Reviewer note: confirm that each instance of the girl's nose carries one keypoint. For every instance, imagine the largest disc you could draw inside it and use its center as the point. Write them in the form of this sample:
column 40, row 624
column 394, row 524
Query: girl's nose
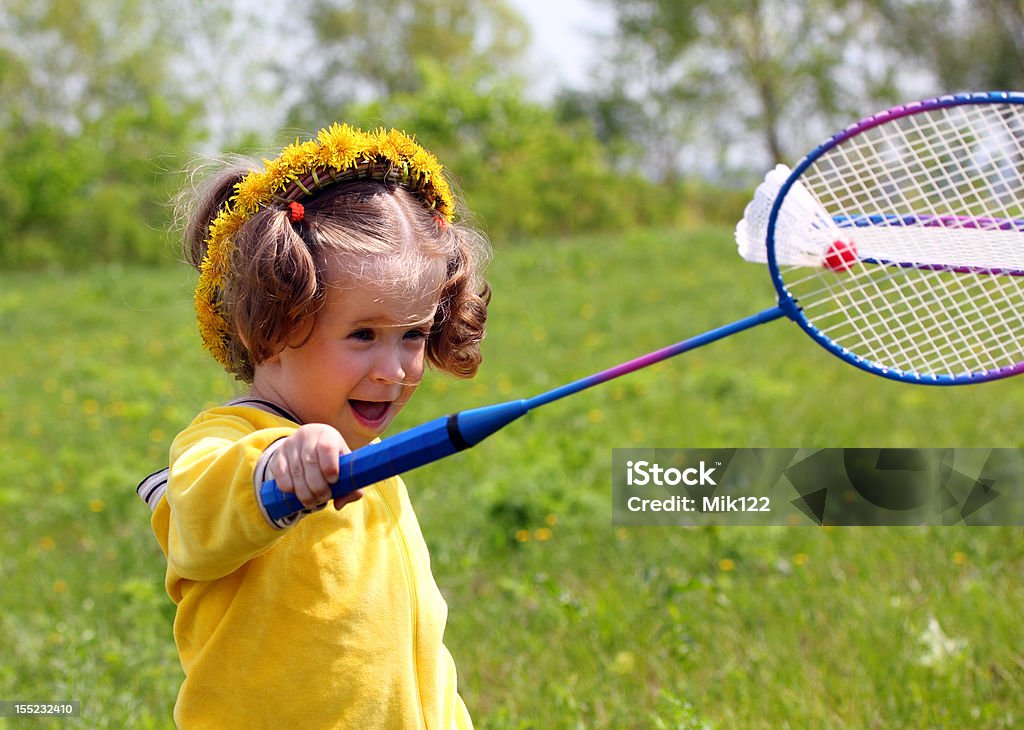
column 389, row 367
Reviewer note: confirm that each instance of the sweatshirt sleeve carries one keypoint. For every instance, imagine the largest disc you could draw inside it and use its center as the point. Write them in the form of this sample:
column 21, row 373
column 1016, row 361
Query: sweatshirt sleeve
column 215, row 522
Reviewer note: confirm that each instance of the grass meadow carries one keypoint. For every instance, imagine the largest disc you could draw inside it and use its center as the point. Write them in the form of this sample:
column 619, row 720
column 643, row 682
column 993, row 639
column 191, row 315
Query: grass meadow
column 558, row 619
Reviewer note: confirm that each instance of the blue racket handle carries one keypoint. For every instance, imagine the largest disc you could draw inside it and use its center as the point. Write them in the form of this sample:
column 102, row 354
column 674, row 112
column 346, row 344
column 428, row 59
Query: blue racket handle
column 402, row 452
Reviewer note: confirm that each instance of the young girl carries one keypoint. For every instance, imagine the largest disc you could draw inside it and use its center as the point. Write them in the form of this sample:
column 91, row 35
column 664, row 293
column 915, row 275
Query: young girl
column 327, row 281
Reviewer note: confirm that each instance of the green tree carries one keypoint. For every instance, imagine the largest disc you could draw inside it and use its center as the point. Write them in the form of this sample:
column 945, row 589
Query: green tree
column 964, row 45
column 524, row 171
column 368, row 50
column 718, row 74
column 448, row 71
column 91, row 119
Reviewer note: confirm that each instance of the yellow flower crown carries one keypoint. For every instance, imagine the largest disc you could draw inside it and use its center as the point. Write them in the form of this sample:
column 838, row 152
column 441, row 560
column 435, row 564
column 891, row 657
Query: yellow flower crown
column 339, row 153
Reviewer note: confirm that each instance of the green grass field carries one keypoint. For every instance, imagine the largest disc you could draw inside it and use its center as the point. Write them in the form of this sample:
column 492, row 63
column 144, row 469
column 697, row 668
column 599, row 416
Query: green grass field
column 558, row 619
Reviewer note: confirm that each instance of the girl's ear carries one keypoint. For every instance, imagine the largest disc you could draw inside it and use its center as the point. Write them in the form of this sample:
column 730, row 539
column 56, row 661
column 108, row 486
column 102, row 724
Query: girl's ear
column 243, row 339
column 272, row 360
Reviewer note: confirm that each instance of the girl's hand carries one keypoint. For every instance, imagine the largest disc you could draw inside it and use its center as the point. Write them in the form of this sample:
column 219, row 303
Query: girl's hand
column 306, row 463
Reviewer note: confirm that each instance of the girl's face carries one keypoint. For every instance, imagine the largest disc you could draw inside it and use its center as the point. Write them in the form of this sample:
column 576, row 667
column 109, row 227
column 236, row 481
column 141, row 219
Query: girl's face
column 361, row 363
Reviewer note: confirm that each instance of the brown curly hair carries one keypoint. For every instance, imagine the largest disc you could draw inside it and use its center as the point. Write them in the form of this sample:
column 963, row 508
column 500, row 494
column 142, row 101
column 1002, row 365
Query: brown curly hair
column 280, row 271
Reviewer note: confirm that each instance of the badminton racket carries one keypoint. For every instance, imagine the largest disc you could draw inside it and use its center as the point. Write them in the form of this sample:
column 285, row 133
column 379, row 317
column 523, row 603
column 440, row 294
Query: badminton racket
column 896, row 244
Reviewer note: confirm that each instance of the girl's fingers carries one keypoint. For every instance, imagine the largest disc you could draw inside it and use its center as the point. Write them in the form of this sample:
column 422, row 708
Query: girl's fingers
column 327, row 453
column 344, row 499
column 314, row 489
column 307, row 463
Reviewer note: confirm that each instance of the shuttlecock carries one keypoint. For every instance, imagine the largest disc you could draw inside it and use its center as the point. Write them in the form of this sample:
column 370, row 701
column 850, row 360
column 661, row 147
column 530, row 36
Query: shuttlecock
column 805, row 234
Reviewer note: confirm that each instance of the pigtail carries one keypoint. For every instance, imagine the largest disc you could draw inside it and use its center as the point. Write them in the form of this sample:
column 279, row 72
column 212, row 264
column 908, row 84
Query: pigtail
column 277, row 287
column 460, row 323
column 273, row 285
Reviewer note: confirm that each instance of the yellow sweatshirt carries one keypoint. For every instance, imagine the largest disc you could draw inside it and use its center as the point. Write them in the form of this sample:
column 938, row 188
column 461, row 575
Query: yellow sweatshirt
column 334, row 621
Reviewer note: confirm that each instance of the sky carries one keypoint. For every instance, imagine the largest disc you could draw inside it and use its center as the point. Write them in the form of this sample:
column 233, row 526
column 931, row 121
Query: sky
column 563, row 46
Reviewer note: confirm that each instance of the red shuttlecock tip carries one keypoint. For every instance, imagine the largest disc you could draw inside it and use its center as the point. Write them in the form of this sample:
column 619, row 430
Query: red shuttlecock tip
column 841, row 255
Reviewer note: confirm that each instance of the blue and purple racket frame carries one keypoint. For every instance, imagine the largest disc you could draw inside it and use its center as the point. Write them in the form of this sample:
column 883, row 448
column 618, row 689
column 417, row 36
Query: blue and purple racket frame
column 790, row 307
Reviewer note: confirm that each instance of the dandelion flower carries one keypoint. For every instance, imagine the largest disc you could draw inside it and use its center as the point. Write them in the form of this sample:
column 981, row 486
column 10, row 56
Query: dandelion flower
column 624, row 663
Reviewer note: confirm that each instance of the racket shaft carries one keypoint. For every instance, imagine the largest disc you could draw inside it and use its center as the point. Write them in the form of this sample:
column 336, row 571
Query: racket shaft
column 444, row 436
column 402, row 452
column 656, row 356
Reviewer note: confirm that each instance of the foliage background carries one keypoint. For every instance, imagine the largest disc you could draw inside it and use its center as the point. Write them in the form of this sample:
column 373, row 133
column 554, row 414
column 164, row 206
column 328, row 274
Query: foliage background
column 107, row 103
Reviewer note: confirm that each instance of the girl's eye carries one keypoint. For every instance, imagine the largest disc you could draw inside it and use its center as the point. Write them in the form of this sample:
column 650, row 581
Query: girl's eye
column 363, row 335
column 417, row 334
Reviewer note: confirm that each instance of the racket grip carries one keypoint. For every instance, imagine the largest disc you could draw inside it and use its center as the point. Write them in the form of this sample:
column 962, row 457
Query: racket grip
column 400, row 453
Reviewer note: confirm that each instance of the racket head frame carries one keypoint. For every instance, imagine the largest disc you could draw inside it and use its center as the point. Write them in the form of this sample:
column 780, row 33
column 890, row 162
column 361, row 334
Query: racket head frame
column 790, row 305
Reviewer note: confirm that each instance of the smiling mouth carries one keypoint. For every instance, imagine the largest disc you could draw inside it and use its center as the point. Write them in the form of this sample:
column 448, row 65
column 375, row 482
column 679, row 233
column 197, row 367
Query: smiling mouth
column 370, row 411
